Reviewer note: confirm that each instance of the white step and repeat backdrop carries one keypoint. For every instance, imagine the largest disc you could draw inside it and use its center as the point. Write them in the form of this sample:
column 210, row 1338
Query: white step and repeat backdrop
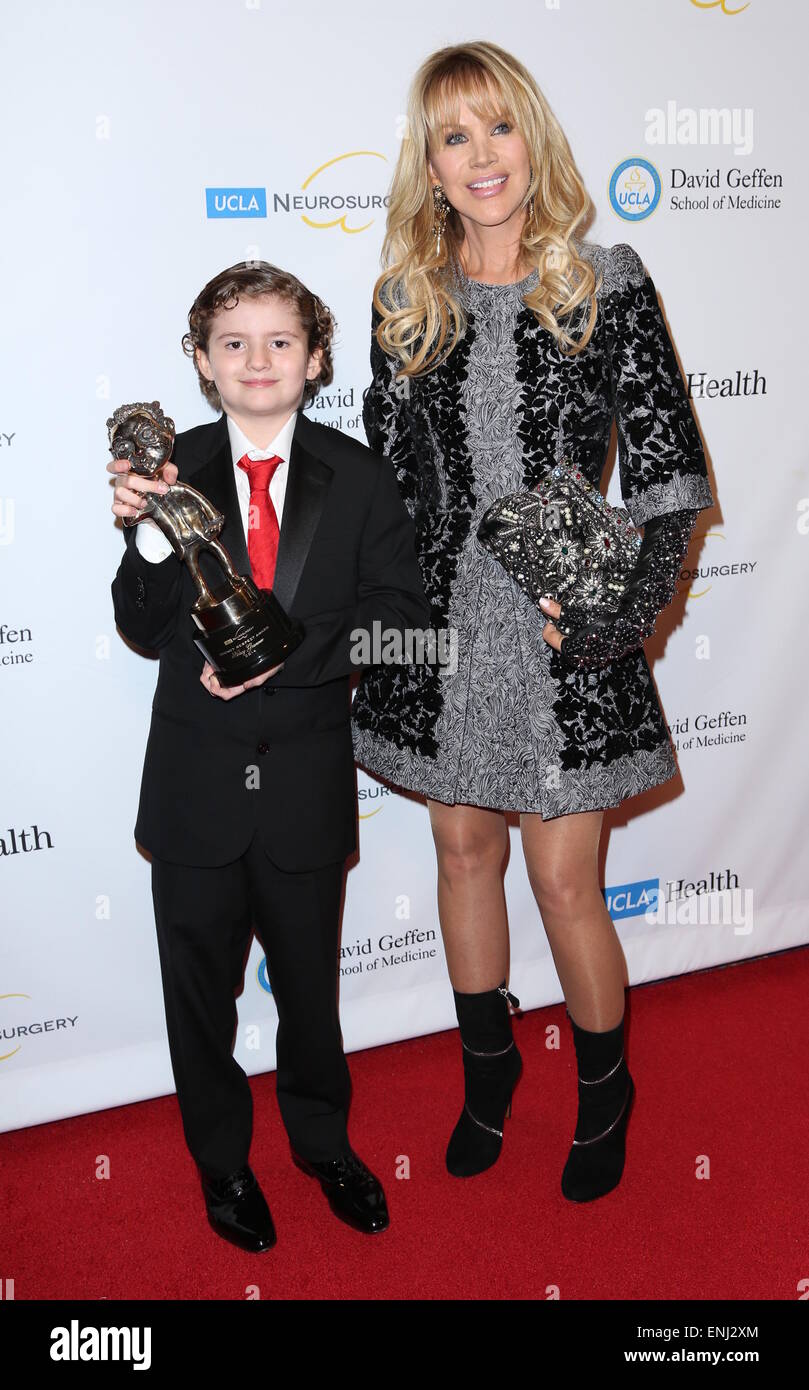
column 122, row 121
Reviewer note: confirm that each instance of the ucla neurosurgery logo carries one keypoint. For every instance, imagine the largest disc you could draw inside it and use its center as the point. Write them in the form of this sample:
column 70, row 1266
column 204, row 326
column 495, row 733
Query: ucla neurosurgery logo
column 635, row 189
column 25, row 1027
column 346, row 193
column 236, row 202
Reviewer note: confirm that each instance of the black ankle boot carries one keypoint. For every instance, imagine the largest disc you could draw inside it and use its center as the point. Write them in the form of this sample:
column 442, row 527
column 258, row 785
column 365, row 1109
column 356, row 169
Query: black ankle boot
column 492, row 1067
column 606, row 1092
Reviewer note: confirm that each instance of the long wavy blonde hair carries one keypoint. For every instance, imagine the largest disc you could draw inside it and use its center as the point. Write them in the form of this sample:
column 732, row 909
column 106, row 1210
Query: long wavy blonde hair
column 421, row 319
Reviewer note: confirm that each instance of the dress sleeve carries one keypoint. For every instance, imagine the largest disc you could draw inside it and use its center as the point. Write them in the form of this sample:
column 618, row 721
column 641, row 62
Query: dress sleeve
column 387, row 419
column 661, row 460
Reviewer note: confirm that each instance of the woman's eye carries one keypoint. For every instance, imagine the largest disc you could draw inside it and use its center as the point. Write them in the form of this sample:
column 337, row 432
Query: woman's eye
column 458, row 135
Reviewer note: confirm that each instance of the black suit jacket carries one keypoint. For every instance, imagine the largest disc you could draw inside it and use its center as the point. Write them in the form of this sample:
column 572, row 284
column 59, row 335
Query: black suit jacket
column 279, row 758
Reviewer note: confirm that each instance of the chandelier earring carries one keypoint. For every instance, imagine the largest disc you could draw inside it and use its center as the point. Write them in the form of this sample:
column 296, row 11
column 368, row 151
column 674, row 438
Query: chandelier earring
column 530, row 201
column 440, row 212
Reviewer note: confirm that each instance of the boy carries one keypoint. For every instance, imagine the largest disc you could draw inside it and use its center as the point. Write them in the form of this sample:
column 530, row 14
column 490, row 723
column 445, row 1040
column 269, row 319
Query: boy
column 247, row 801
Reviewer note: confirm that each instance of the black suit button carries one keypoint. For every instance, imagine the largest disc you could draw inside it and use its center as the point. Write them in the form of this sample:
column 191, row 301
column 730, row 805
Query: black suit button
column 263, row 748
column 269, row 690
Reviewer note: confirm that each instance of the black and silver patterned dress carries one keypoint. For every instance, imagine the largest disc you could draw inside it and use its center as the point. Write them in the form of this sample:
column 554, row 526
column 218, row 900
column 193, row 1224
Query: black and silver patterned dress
column 512, row 727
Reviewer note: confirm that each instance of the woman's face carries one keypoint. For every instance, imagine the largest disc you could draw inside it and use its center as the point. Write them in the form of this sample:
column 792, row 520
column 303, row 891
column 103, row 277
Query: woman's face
column 483, row 167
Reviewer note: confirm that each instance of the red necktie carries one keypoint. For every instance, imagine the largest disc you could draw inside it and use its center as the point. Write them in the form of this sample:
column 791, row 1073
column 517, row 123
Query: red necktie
column 262, row 523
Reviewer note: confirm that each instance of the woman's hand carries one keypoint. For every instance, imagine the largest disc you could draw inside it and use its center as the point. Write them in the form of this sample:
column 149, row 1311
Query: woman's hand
column 551, row 633
column 596, row 641
column 128, row 499
column 591, row 646
column 226, row 692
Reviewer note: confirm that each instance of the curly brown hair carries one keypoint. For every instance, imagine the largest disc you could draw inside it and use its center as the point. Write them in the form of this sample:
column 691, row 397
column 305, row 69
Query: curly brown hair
column 251, row 280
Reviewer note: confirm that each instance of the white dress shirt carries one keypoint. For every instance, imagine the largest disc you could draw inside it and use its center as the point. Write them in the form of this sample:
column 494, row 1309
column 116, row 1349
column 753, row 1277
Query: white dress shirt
column 154, row 546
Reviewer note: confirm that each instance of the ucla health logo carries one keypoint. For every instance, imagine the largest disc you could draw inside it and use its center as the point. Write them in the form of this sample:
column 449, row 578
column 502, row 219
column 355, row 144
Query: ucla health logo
column 635, row 189
column 236, row 202
column 632, row 899
column 262, row 976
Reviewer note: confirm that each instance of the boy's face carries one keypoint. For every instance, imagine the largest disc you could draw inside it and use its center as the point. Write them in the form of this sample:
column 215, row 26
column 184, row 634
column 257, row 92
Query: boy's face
column 259, row 360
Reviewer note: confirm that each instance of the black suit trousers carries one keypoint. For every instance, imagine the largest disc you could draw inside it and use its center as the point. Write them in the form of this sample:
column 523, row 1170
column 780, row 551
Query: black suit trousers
column 204, row 919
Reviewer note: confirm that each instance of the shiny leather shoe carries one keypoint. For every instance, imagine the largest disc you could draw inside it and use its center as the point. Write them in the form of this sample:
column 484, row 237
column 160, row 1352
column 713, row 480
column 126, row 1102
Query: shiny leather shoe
column 355, row 1195
column 238, row 1211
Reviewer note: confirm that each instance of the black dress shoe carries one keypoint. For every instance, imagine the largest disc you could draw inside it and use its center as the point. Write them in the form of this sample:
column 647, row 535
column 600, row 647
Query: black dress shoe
column 237, row 1210
column 354, row 1194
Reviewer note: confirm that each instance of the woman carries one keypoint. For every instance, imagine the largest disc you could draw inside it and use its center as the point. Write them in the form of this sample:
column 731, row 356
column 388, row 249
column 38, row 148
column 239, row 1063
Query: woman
column 501, row 344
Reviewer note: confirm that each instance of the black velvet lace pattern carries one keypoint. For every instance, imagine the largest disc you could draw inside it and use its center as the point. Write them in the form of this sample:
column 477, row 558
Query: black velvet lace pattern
column 401, row 420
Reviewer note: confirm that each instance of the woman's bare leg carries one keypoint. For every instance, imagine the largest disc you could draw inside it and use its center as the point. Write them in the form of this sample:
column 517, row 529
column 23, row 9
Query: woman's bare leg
column 562, row 860
column 561, row 856
column 471, row 844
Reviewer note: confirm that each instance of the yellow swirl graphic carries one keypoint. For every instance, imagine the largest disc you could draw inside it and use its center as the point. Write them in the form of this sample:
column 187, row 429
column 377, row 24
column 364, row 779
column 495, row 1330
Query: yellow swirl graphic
column 717, row 535
column 5, row 1055
column 338, row 221
column 719, row 4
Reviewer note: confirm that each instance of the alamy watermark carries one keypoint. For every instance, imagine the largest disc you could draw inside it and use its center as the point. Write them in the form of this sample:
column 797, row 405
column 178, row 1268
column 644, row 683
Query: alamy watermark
column 725, row 907
column 392, row 646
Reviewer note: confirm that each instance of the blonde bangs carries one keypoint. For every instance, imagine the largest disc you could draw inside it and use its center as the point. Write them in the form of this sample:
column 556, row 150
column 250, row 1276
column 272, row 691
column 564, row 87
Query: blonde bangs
column 464, row 82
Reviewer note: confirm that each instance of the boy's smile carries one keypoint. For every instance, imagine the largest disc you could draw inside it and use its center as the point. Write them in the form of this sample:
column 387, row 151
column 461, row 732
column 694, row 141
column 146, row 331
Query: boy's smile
column 259, row 361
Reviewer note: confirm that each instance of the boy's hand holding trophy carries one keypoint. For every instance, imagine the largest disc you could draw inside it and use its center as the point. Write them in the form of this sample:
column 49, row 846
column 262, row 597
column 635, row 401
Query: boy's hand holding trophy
column 246, row 632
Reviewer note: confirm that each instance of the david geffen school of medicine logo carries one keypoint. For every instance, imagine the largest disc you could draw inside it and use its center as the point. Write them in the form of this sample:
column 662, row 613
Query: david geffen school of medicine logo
column 635, row 189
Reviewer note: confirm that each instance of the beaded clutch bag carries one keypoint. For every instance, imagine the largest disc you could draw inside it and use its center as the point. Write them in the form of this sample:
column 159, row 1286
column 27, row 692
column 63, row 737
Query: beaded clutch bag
column 564, row 539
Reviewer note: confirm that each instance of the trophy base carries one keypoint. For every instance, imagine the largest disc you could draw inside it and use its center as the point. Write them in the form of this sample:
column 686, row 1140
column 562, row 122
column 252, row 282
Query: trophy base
column 245, row 632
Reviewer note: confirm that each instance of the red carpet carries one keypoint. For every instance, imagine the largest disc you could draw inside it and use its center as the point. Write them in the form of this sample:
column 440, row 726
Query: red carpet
column 719, row 1061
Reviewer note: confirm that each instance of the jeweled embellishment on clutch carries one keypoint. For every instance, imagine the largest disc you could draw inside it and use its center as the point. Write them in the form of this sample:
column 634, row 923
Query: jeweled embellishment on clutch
column 563, row 538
